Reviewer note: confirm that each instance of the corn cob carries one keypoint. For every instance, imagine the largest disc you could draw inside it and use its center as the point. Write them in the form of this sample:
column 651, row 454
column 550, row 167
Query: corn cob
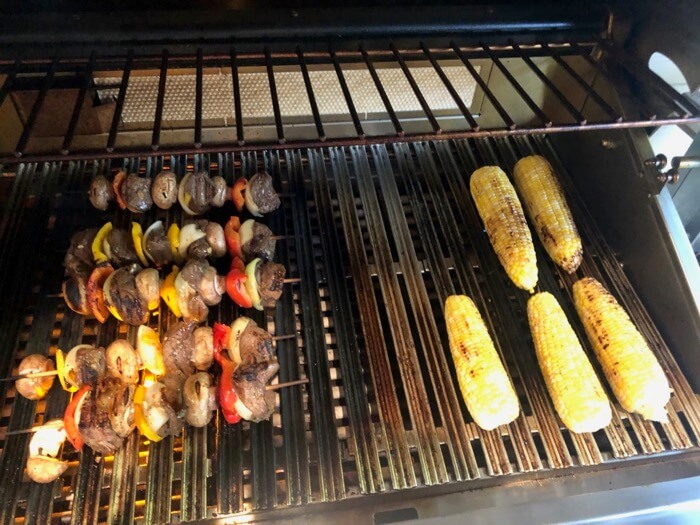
column 485, row 385
column 547, row 208
column 500, row 209
column 636, row 377
column 575, row 389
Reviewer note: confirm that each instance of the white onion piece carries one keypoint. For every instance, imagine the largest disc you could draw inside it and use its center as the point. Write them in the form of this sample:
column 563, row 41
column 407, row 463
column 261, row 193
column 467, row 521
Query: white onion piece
column 189, row 234
column 234, row 338
column 246, row 231
column 48, row 439
column 153, row 227
column 181, row 195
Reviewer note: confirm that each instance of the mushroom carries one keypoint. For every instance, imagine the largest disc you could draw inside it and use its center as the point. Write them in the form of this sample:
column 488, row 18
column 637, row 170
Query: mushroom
column 148, row 286
column 164, row 190
column 44, row 447
column 215, row 238
column 35, row 387
column 136, row 192
column 211, row 286
column 123, row 362
column 101, row 192
column 200, row 399
column 43, row 469
column 203, row 348
column 121, row 414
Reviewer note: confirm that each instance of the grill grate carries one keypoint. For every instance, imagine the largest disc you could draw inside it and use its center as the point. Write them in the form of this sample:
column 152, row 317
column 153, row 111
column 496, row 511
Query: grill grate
column 418, row 92
column 380, row 237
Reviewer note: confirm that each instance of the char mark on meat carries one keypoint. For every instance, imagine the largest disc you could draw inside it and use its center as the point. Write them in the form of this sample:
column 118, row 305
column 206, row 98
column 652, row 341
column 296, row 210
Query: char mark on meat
column 263, row 194
column 250, row 384
column 270, row 277
column 121, row 247
column 95, row 428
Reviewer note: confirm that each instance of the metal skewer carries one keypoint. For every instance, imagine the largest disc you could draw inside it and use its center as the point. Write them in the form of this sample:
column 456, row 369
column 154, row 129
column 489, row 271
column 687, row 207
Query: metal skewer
column 32, row 375
column 288, row 383
column 268, row 387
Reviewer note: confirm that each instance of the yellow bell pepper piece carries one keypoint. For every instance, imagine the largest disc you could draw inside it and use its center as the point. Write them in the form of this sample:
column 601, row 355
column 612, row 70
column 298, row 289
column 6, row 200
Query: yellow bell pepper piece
column 174, row 239
column 66, row 383
column 137, row 236
column 140, row 418
column 169, row 294
column 98, row 244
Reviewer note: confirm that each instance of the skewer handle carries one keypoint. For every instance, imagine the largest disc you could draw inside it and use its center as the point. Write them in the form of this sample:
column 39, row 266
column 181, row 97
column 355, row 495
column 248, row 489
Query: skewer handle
column 291, row 280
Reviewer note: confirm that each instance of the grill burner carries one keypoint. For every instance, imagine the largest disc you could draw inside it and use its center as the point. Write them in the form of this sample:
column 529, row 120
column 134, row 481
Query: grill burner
column 381, row 235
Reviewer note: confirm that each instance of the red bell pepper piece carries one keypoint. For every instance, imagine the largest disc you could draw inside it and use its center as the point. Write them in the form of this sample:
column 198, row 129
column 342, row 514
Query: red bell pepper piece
column 221, row 335
column 235, row 287
column 69, row 422
column 233, row 239
column 237, row 193
column 238, row 264
column 226, row 393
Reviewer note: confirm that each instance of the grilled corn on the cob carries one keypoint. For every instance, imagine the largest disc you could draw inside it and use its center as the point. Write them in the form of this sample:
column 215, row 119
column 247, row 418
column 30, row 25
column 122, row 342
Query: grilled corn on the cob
column 575, row 389
column 500, row 209
column 485, row 385
column 636, row 377
column 547, row 208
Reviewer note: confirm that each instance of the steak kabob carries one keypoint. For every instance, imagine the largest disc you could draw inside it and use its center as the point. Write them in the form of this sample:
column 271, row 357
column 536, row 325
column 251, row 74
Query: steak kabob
column 196, row 192
column 154, row 387
column 131, row 291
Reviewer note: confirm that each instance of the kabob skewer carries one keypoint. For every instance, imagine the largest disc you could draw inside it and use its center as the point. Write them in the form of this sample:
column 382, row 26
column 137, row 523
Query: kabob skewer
column 115, row 390
column 196, row 192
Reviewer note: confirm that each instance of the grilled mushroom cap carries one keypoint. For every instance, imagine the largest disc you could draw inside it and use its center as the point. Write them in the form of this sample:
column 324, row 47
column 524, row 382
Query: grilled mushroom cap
column 164, row 190
column 36, row 387
column 43, row 469
column 101, row 192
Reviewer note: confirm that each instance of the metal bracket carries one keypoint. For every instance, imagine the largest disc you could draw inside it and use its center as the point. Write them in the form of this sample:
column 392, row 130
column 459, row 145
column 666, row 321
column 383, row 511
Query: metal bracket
column 677, row 163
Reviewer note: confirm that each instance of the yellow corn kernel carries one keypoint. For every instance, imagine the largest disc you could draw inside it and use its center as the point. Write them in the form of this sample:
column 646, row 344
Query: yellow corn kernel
column 573, row 385
column 485, row 385
column 504, row 220
column 547, row 208
column 635, row 375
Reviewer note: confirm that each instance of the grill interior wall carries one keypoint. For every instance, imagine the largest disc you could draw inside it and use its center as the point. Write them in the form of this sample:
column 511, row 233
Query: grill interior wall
column 379, row 236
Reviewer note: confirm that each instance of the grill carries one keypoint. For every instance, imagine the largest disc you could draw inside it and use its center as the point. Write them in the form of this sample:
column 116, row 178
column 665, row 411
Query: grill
column 380, row 237
column 380, row 228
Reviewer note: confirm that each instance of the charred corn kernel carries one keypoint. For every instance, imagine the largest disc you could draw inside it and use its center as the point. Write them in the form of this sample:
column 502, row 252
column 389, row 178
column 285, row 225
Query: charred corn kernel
column 137, row 237
column 485, row 385
column 98, row 244
column 169, row 293
column 504, row 220
column 635, row 375
column 573, row 385
column 547, row 208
